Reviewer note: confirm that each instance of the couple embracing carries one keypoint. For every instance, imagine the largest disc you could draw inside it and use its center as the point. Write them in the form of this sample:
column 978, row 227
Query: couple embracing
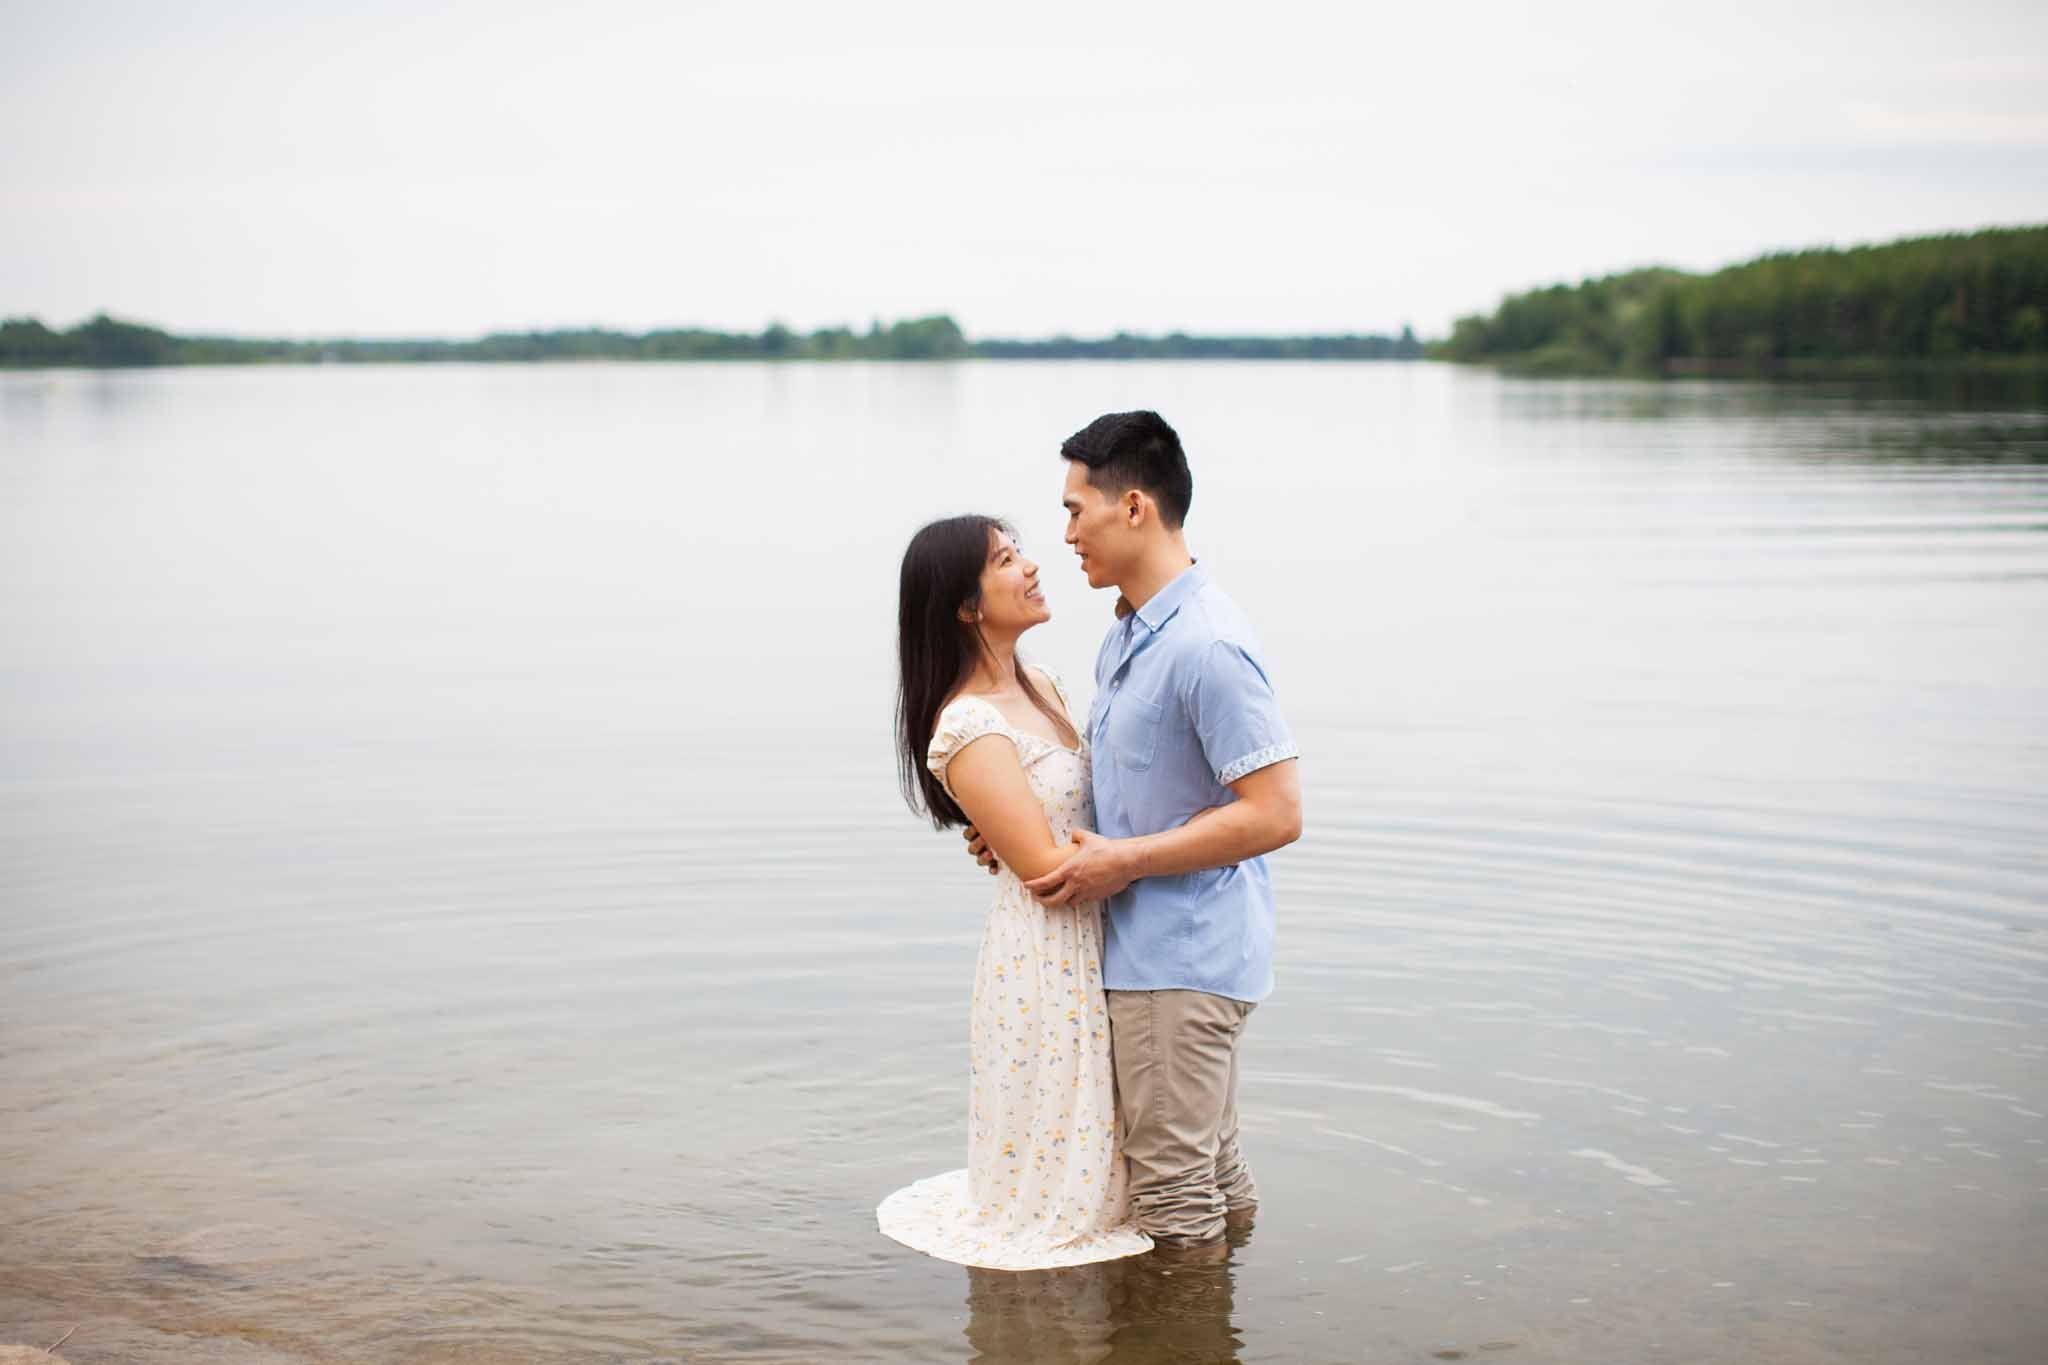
column 1132, row 930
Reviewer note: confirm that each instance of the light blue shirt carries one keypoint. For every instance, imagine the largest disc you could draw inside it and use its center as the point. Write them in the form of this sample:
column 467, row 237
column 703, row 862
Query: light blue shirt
column 1183, row 709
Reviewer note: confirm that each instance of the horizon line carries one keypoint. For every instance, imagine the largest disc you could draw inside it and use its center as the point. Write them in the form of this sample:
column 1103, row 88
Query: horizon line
column 876, row 326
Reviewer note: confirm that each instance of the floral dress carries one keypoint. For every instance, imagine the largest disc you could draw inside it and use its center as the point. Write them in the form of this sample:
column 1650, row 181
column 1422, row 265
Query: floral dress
column 1044, row 1184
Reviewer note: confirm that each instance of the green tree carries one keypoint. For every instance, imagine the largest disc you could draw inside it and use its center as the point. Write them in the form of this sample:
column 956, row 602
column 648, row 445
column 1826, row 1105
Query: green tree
column 1948, row 298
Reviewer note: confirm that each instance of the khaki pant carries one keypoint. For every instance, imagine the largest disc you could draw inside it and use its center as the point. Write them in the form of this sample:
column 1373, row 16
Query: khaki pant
column 1176, row 1083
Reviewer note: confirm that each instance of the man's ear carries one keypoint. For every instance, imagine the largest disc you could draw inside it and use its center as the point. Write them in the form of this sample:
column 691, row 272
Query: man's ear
column 1136, row 508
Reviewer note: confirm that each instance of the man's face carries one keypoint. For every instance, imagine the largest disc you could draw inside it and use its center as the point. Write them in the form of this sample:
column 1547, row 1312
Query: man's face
column 1095, row 527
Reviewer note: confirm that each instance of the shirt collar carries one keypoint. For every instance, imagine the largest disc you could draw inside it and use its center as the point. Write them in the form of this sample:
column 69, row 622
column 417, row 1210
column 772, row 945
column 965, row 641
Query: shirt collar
column 1168, row 600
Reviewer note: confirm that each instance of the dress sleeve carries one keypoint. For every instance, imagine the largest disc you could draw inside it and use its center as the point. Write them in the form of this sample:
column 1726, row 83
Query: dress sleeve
column 960, row 724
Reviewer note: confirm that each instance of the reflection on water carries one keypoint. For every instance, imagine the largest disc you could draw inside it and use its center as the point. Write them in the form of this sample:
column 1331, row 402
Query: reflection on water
column 1169, row 1306
column 454, row 903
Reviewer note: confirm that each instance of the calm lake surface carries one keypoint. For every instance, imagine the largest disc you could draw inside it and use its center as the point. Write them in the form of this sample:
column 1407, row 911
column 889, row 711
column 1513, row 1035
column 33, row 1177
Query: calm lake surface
column 455, row 906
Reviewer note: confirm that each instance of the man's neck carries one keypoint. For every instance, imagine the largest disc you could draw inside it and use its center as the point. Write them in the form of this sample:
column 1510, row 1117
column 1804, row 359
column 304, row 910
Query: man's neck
column 1154, row 571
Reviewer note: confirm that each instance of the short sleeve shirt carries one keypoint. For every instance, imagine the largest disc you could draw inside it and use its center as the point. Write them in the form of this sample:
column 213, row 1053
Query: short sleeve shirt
column 1183, row 708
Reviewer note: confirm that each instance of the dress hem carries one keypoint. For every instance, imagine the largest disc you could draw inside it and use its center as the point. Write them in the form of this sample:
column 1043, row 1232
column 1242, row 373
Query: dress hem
column 905, row 1218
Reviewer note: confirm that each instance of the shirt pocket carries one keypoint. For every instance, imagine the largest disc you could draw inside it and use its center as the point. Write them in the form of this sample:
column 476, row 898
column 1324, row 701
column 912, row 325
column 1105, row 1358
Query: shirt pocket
column 1133, row 732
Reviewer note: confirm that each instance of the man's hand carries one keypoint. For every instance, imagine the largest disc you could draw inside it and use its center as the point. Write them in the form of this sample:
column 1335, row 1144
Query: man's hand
column 983, row 854
column 1097, row 871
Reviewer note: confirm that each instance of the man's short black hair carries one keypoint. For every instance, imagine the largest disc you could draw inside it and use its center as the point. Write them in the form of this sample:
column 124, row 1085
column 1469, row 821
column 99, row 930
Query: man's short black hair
column 1126, row 450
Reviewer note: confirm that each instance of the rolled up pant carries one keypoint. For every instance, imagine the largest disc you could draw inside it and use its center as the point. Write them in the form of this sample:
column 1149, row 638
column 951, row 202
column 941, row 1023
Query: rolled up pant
column 1176, row 1083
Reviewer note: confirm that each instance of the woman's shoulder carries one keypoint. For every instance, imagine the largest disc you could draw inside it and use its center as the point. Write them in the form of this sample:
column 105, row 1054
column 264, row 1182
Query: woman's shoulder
column 968, row 704
column 1042, row 676
column 962, row 720
column 966, row 716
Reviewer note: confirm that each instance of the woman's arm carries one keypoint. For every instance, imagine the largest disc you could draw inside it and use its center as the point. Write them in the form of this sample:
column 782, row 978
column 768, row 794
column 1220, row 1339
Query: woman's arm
column 988, row 781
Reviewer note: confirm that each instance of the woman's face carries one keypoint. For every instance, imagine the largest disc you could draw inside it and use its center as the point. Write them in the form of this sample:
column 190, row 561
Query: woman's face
column 1010, row 599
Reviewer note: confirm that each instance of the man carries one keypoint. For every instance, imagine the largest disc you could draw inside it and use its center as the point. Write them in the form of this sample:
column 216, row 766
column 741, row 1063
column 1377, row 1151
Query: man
column 1195, row 780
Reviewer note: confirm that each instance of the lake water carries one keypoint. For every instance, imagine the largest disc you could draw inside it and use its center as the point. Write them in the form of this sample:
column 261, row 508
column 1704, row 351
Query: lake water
column 454, row 903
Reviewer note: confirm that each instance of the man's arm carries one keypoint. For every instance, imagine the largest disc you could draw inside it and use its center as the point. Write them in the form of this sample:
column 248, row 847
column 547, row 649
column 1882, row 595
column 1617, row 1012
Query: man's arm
column 1230, row 705
column 1265, row 816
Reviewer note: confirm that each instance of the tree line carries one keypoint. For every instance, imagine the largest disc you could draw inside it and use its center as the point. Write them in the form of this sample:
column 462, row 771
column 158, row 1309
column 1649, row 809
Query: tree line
column 105, row 342
column 1181, row 346
column 1963, row 299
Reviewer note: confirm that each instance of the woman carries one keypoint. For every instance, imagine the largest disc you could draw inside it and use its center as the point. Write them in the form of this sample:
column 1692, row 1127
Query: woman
column 981, row 738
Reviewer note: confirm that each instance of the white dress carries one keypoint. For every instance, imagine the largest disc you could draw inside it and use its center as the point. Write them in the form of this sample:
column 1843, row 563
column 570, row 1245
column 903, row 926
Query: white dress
column 1044, row 1184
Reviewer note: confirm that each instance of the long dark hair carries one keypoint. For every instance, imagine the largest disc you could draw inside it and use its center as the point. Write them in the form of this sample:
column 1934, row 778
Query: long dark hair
column 936, row 651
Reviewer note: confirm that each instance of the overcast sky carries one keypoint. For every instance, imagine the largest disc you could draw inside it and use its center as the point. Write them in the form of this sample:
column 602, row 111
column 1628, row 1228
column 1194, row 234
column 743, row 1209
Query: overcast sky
column 374, row 168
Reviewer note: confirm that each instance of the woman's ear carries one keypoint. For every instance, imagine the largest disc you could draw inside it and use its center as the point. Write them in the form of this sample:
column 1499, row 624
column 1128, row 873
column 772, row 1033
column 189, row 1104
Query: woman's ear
column 968, row 615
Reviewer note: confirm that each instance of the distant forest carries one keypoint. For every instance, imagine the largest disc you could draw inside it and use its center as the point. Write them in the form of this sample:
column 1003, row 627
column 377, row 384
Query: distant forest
column 1972, row 300
column 1180, row 346
column 105, row 342
column 1976, row 299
